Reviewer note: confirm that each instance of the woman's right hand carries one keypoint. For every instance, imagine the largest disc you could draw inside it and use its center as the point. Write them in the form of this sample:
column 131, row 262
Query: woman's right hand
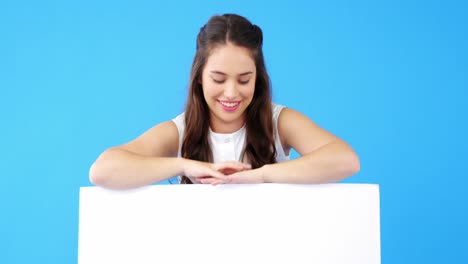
column 212, row 173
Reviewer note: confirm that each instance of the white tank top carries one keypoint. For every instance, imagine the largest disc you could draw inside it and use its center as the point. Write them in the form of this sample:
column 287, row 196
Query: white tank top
column 229, row 147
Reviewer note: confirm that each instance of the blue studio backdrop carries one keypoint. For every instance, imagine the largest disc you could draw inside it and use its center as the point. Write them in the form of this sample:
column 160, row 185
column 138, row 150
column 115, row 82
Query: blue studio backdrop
column 389, row 77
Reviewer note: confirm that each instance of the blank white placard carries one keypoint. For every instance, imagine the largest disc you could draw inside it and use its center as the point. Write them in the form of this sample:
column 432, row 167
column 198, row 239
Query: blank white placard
column 258, row 223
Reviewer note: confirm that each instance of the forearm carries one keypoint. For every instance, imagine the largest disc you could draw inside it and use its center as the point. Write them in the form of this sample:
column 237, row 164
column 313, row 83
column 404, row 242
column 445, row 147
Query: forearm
column 121, row 169
column 330, row 163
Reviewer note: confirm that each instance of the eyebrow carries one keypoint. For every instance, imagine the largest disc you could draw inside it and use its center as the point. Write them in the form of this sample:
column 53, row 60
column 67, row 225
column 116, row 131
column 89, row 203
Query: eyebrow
column 222, row 73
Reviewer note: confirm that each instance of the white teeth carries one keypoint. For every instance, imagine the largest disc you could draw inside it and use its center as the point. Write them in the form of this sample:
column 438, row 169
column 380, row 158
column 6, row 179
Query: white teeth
column 229, row 104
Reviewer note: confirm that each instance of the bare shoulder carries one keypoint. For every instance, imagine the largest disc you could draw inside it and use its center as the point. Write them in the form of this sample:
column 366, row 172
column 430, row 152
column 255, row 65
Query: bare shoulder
column 162, row 140
column 299, row 132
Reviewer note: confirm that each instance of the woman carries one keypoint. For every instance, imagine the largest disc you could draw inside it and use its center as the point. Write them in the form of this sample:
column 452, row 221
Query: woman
column 230, row 131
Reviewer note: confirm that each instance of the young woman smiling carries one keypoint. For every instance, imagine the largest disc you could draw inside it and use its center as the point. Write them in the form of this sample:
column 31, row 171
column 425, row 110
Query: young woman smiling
column 230, row 132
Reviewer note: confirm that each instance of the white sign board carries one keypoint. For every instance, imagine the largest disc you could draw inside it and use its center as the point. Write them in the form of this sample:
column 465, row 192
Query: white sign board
column 262, row 223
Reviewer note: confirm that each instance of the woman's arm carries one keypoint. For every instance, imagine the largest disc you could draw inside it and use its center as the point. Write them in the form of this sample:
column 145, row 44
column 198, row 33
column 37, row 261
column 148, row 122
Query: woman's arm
column 324, row 157
column 152, row 158
column 147, row 159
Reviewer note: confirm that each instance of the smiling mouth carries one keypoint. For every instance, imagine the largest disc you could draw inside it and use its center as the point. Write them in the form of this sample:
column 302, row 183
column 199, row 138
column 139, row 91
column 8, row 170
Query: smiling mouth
column 229, row 104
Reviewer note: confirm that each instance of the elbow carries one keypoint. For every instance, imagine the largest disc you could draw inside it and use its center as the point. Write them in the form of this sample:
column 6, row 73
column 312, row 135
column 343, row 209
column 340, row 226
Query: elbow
column 103, row 169
column 99, row 175
column 95, row 177
column 353, row 164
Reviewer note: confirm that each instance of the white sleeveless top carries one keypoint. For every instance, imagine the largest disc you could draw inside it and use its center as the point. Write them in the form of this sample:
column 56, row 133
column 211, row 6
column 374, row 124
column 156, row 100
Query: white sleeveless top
column 229, row 147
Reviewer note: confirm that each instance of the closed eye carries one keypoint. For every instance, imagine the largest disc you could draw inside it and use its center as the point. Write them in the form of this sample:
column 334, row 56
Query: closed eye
column 242, row 82
column 218, row 81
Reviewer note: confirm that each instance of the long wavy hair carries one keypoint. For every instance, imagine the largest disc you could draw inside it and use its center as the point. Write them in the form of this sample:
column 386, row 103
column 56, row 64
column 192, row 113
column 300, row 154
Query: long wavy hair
column 260, row 145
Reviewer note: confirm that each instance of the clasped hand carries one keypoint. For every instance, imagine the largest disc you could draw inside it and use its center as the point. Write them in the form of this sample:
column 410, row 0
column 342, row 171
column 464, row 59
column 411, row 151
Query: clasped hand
column 221, row 173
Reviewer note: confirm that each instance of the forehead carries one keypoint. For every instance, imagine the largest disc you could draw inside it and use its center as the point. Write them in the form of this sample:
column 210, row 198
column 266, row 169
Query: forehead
column 230, row 59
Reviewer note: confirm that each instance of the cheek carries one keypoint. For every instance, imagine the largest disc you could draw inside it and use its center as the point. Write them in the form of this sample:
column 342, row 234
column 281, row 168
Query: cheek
column 248, row 92
column 211, row 90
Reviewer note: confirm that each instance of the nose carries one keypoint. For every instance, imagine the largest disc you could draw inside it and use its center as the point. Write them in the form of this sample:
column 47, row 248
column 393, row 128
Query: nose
column 230, row 90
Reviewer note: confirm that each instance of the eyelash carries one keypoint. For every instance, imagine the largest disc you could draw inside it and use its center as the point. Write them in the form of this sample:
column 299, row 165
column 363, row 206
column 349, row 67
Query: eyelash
column 241, row 82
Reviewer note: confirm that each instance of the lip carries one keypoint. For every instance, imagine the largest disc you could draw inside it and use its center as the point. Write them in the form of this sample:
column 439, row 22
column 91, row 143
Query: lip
column 227, row 108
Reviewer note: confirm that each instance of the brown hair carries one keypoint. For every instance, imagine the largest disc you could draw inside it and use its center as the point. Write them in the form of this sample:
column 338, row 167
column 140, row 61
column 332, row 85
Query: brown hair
column 260, row 147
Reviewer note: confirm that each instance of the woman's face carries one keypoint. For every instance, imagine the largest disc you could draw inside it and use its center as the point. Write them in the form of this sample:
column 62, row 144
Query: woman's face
column 228, row 82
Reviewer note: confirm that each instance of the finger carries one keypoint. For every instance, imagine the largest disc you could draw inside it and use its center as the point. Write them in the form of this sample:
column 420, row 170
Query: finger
column 217, row 182
column 238, row 166
column 217, row 174
column 200, row 178
column 210, row 172
column 213, row 181
column 210, row 180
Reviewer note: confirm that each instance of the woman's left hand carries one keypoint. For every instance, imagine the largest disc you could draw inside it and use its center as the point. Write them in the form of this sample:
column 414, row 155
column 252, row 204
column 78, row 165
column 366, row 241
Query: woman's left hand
column 246, row 176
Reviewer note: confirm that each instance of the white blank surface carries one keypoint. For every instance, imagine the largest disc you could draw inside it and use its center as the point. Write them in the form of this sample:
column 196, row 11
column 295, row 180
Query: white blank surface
column 262, row 223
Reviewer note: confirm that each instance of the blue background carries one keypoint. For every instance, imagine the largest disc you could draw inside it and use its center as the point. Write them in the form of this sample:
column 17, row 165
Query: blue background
column 389, row 77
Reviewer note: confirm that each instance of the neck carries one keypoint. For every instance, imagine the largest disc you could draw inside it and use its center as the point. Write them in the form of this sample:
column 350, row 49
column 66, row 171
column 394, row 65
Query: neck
column 222, row 127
